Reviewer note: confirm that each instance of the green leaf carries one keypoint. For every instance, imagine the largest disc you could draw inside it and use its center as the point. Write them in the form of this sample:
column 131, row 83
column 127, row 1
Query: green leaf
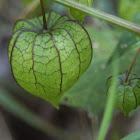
column 133, row 136
column 78, row 15
column 128, row 8
column 127, row 42
column 128, row 94
column 89, row 92
column 46, row 63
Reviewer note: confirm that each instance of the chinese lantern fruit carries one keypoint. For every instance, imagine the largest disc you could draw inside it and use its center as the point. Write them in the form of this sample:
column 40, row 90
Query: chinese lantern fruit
column 46, row 63
column 127, row 93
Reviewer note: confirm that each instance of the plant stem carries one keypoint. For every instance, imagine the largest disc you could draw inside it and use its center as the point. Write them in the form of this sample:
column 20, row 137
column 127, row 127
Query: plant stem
column 101, row 15
column 44, row 17
column 134, row 60
column 110, row 103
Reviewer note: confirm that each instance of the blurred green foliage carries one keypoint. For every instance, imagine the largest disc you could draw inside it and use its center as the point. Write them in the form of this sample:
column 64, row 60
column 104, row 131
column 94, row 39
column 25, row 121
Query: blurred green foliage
column 37, row 11
column 133, row 136
column 128, row 8
column 10, row 104
column 128, row 41
column 89, row 93
column 27, row 2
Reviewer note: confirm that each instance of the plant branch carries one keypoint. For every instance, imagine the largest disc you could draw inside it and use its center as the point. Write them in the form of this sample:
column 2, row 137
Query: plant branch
column 44, row 17
column 132, row 27
column 134, row 60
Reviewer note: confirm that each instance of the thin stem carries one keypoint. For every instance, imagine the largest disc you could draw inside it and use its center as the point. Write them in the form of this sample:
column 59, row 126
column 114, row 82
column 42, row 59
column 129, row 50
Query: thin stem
column 101, row 15
column 110, row 102
column 44, row 17
column 134, row 60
